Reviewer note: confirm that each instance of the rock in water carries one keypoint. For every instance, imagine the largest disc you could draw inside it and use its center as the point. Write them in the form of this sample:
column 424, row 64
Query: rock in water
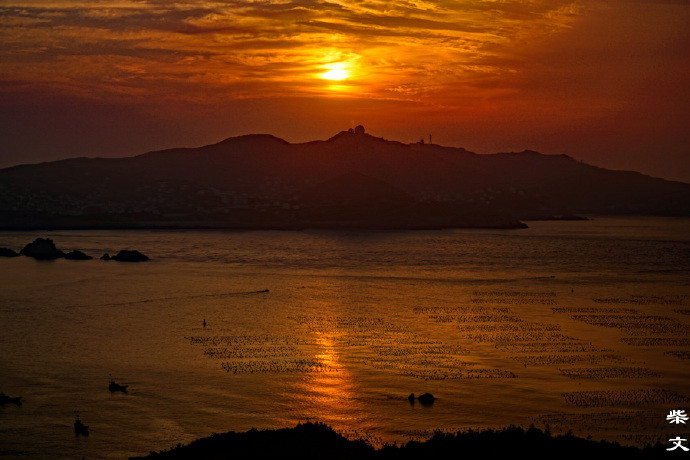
column 42, row 249
column 77, row 255
column 105, row 256
column 130, row 256
column 427, row 399
column 6, row 252
column 411, row 398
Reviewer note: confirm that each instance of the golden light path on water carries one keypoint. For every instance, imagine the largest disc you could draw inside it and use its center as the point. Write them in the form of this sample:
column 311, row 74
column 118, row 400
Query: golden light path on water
column 333, row 394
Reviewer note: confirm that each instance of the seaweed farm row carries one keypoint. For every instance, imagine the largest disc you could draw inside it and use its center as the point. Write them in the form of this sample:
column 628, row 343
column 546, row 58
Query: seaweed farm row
column 385, row 345
column 364, row 341
column 639, row 329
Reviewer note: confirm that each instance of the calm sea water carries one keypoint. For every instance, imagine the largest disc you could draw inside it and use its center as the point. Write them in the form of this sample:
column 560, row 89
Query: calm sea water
column 579, row 325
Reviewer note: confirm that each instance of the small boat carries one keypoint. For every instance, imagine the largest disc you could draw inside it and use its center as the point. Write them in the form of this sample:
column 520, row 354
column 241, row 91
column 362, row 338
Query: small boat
column 80, row 428
column 113, row 387
column 4, row 399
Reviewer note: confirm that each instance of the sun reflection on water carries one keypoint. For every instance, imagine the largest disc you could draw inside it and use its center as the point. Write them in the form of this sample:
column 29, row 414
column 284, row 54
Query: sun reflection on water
column 333, row 395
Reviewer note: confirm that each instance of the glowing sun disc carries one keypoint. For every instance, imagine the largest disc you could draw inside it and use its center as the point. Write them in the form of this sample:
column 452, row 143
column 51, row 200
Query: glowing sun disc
column 335, row 74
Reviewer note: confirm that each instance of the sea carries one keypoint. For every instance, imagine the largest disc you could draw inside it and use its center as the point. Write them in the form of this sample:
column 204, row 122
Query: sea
column 570, row 326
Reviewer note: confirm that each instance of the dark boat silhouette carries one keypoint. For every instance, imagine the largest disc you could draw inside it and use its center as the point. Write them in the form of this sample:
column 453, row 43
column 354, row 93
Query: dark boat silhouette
column 80, row 428
column 5, row 399
column 114, row 387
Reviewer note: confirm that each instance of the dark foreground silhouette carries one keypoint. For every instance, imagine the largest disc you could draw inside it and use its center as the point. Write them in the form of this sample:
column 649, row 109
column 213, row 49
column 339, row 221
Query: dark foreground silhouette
column 319, row 441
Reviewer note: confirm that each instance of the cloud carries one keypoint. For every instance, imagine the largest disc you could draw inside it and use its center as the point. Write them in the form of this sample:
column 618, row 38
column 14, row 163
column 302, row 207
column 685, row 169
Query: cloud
column 163, row 37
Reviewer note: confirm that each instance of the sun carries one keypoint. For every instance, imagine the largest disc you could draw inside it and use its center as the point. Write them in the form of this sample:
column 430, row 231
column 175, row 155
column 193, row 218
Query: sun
column 336, row 72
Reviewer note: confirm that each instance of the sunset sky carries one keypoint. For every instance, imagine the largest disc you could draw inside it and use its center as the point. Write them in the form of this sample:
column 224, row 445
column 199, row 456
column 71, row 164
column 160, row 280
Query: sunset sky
column 605, row 81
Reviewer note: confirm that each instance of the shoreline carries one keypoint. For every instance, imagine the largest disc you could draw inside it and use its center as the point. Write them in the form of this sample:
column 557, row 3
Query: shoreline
column 520, row 224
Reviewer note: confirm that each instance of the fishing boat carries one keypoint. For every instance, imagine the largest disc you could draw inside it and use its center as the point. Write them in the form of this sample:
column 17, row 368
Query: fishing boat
column 80, row 428
column 113, row 386
column 4, row 399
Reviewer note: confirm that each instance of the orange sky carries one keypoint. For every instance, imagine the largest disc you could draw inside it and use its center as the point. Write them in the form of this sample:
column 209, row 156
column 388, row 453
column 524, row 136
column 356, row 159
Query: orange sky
column 605, row 81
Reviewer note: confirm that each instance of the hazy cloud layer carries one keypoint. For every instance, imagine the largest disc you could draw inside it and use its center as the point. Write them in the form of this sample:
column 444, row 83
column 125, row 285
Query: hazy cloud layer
column 250, row 48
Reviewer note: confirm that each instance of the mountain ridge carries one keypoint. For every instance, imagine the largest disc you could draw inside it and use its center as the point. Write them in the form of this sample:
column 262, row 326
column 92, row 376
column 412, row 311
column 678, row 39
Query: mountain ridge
column 228, row 140
column 262, row 181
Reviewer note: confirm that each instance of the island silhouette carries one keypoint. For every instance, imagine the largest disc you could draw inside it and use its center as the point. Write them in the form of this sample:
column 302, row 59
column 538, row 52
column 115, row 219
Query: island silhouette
column 352, row 180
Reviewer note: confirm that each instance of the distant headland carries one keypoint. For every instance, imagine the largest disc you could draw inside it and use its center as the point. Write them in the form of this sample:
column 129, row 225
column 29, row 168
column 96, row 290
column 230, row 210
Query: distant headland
column 352, row 180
